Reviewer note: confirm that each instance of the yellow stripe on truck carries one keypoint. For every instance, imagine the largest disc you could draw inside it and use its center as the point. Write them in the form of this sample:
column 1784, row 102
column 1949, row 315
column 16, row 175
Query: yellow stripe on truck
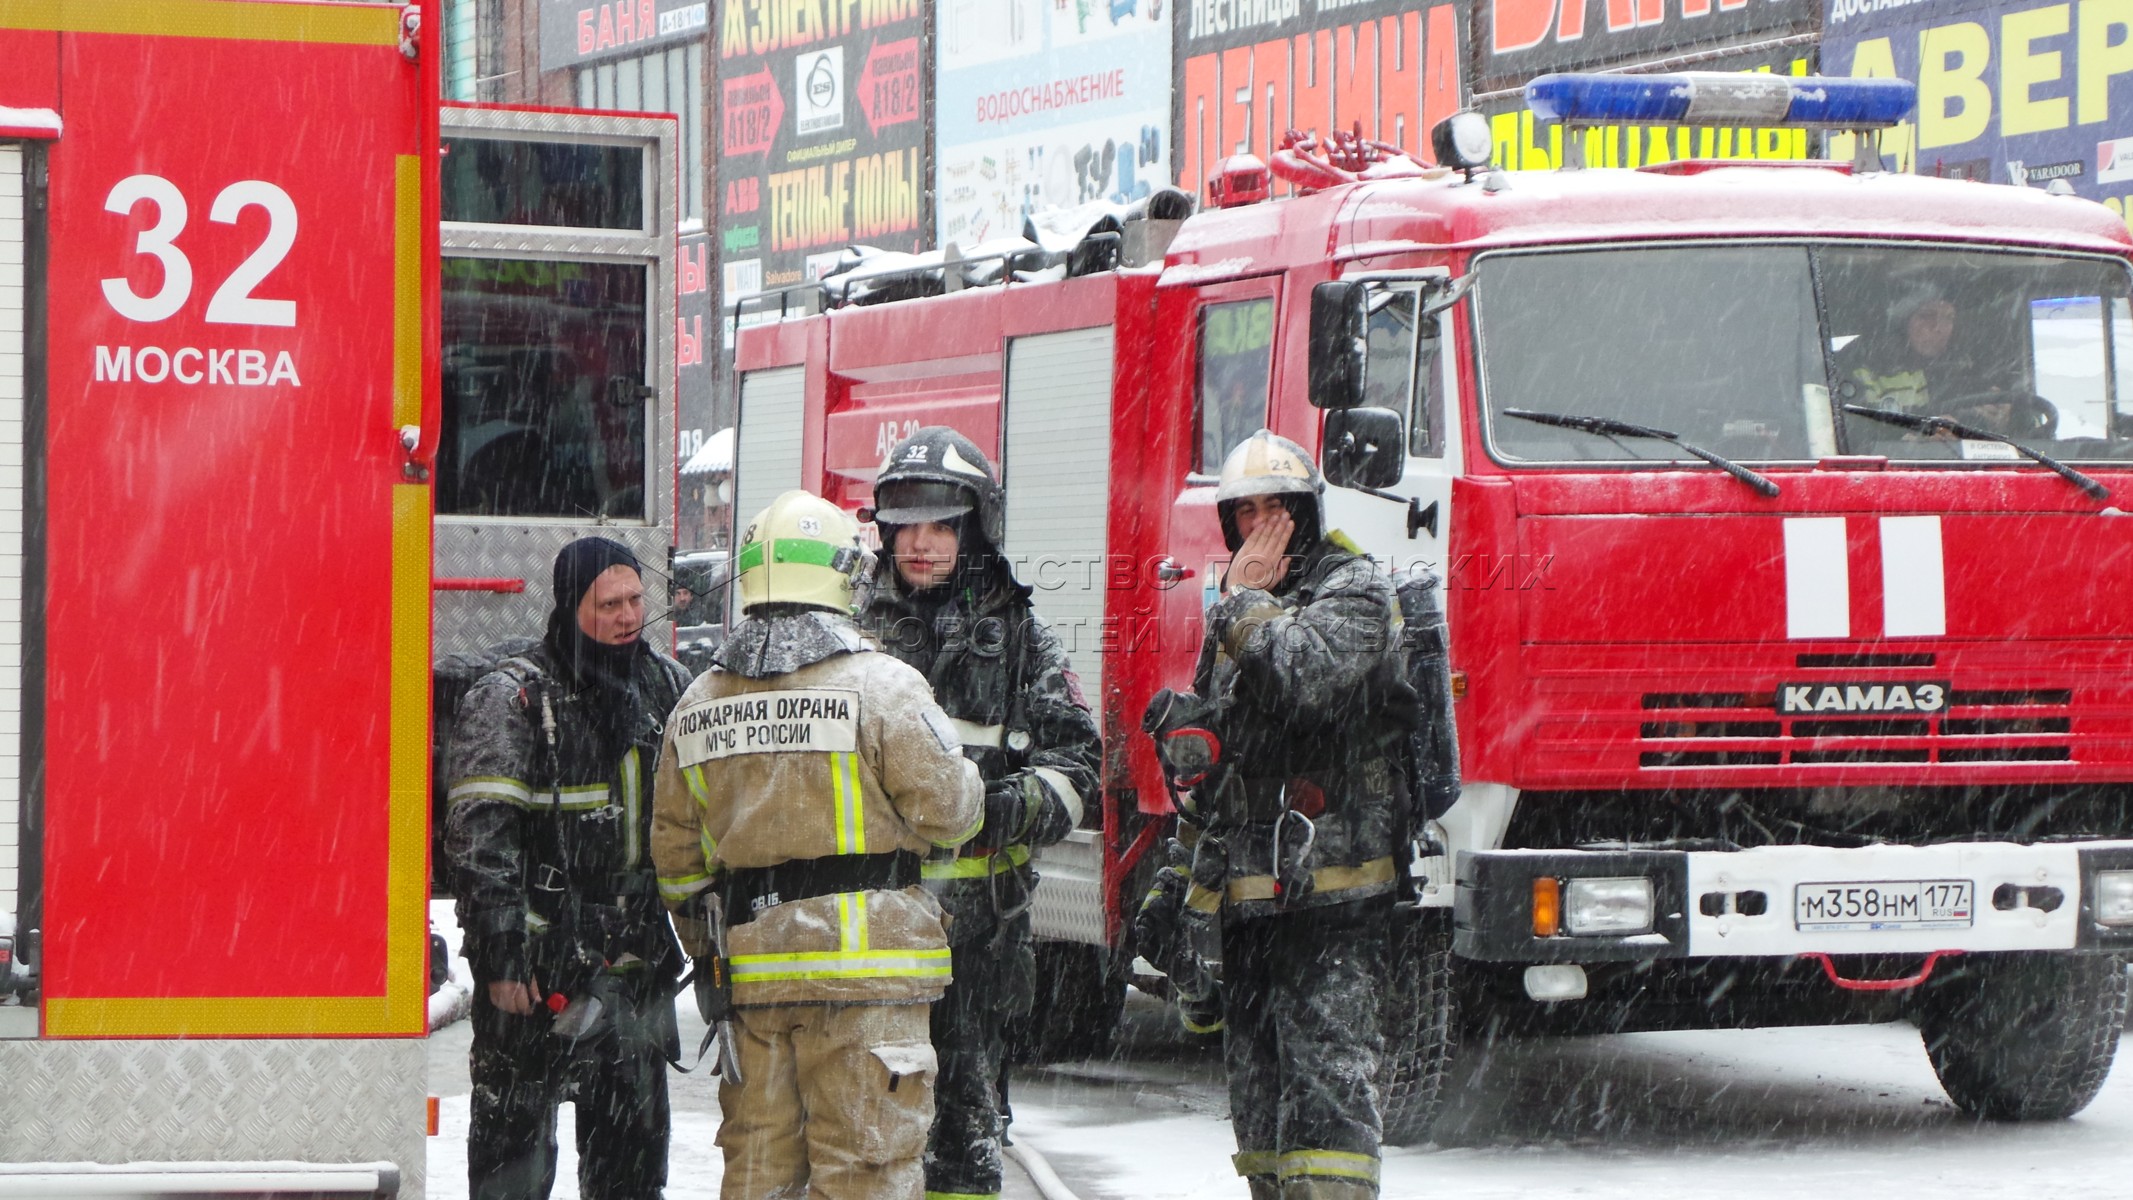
column 247, row 20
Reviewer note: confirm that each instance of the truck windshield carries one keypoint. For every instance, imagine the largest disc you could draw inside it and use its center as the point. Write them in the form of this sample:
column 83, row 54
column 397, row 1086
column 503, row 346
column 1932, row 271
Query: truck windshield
column 1727, row 347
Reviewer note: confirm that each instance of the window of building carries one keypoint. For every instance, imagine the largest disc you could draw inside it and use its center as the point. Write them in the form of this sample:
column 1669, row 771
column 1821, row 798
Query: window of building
column 664, row 81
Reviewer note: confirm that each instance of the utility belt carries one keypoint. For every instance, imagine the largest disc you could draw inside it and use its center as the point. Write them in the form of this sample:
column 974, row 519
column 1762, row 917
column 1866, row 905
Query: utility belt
column 1291, row 834
column 1323, row 881
column 1260, row 799
column 750, row 891
column 552, row 889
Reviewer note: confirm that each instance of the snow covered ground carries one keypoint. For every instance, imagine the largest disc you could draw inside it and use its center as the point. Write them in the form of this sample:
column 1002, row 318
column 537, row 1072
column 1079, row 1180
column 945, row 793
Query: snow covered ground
column 692, row 1171
column 1755, row 1115
column 694, row 1167
column 1776, row 1114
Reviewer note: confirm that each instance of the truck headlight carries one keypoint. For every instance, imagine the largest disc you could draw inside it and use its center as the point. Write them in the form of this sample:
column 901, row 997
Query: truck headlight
column 2114, row 898
column 1616, row 905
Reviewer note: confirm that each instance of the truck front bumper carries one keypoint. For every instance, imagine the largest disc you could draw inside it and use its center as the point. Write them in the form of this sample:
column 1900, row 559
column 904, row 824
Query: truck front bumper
column 1780, row 901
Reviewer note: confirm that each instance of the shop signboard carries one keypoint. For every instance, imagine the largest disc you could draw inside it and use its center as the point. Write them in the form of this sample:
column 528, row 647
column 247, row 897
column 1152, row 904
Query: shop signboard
column 1249, row 73
column 821, row 139
column 1043, row 106
column 1519, row 39
column 575, row 32
column 2015, row 93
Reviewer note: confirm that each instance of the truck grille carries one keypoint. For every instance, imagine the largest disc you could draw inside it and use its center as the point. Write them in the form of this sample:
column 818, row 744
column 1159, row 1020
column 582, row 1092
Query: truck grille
column 1734, row 729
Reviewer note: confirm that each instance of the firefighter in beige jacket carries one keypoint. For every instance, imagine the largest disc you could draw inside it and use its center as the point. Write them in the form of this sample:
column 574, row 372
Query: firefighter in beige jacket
column 802, row 779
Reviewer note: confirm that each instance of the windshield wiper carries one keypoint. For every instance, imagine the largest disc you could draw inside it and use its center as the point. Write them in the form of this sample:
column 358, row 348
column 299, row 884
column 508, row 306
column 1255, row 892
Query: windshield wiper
column 1971, row 432
column 1609, row 427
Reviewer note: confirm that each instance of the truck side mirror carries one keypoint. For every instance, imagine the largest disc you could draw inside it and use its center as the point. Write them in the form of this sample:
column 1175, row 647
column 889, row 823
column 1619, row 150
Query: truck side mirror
column 1364, row 448
column 1340, row 343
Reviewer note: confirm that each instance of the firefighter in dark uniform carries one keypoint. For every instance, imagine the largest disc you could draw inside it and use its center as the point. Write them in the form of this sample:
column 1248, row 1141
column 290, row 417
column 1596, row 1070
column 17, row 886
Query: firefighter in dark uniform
column 1300, row 824
column 944, row 600
column 548, row 832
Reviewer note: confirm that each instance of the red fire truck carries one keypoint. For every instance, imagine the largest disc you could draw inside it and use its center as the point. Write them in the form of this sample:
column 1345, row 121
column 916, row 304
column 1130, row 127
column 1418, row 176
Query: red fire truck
column 217, row 388
column 251, row 387
column 1778, row 510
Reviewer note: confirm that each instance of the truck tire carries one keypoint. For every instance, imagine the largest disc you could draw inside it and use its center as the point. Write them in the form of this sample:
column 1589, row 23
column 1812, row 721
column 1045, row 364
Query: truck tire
column 1419, row 1014
column 2025, row 1037
column 1081, row 998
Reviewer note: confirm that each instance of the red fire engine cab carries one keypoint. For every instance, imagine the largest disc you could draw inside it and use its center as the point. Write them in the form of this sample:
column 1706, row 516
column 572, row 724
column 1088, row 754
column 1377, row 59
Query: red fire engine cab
column 1781, row 517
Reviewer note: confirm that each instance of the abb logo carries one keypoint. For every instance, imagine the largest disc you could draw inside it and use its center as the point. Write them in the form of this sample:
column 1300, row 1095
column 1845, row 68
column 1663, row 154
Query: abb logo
column 1524, row 24
column 1818, row 580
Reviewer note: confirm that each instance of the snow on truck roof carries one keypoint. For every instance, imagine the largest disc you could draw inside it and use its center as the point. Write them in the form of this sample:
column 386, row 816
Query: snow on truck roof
column 1384, row 219
column 1379, row 218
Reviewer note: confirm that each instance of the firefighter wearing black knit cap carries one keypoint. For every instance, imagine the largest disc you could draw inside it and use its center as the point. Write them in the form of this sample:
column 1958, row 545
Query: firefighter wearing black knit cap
column 1301, row 669
column 943, row 600
column 574, row 960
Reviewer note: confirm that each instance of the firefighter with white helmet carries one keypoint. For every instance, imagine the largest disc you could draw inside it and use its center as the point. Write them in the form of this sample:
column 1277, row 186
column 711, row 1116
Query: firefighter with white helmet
column 944, row 600
column 803, row 778
column 1301, row 679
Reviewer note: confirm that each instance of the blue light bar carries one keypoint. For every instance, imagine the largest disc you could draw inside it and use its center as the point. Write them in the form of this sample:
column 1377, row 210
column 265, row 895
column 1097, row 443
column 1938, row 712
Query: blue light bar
column 1722, row 98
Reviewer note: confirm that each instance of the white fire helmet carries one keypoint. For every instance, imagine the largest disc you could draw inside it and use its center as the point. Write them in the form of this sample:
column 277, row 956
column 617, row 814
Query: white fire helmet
column 801, row 550
column 1267, row 464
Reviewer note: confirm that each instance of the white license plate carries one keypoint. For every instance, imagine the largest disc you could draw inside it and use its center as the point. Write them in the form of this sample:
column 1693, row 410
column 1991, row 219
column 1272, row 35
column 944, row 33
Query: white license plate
column 1884, row 904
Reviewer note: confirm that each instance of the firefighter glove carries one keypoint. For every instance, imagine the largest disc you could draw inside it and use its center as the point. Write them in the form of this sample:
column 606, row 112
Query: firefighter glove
column 1010, row 804
column 1156, row 926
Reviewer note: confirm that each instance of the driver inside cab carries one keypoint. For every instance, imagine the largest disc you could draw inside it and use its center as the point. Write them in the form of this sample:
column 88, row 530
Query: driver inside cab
column 1917, row 364
column 1910, row 361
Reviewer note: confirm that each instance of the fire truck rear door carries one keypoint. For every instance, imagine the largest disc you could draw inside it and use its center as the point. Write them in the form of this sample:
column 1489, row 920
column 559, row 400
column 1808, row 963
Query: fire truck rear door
column 767, row 459
column 558, row 313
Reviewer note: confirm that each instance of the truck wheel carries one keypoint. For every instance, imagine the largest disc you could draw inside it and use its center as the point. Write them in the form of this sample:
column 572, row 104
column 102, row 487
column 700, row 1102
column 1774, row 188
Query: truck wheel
column 1081, row 998
column 1419, row 1014
column 2025, row 1037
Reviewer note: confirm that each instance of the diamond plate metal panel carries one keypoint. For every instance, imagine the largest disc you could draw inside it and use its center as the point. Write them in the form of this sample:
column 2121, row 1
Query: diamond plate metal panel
column 1069, row 903
column 12, row 362
column 355, row 1100
column 475, row 549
